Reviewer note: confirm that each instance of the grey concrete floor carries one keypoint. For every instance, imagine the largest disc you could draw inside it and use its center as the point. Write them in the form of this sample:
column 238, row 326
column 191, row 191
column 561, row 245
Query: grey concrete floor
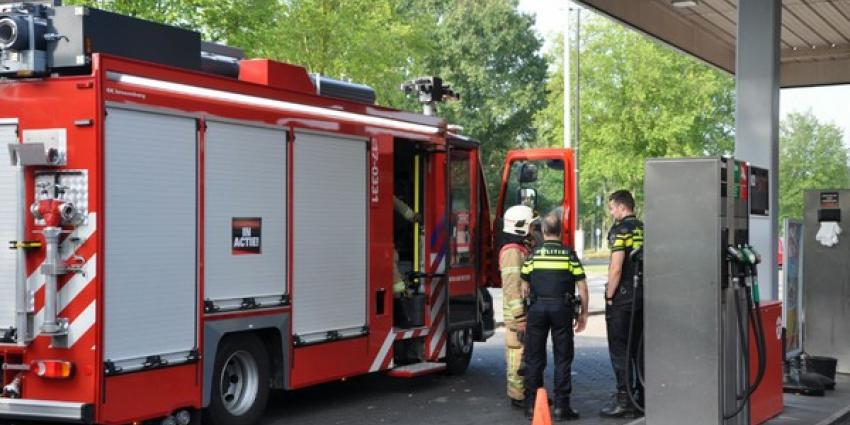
column 476, row 398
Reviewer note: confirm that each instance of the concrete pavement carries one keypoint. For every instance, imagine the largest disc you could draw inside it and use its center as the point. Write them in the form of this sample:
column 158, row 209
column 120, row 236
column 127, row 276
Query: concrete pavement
column 475, row 398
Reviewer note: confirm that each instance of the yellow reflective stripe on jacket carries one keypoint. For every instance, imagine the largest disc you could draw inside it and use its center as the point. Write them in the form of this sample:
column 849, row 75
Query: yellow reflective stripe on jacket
column 543, row 263
column 551, row 265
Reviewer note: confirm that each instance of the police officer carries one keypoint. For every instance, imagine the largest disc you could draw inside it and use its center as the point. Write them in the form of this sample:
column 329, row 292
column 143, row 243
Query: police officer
column 516, row 229
column 625, row 236
column 553, row 272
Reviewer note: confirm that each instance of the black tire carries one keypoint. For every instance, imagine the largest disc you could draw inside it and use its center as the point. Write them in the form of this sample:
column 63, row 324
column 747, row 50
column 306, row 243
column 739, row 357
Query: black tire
column 244, row 400
column 458, row 351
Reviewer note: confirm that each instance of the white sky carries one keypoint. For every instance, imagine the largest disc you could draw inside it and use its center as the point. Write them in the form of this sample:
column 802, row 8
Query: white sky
column 828, row 104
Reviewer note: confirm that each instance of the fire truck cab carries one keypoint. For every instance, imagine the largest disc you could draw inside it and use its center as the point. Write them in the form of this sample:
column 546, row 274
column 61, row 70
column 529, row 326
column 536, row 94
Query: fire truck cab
column 189, row 230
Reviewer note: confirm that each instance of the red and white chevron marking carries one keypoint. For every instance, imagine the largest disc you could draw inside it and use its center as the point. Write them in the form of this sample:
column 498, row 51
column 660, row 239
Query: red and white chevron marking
column 383, row 360
column 436, row 342
column 76, row 297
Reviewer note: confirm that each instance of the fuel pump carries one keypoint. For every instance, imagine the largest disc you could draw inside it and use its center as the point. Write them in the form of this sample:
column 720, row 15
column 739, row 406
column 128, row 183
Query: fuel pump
column 701, row 296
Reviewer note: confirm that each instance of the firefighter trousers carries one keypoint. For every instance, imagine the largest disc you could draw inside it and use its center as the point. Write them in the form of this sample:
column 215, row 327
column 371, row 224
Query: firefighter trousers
column 617, row 319
column 543, row 317
column 513, row 357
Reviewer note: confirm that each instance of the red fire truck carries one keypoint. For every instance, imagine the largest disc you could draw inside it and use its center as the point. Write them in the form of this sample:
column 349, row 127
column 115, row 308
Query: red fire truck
column 189, row 230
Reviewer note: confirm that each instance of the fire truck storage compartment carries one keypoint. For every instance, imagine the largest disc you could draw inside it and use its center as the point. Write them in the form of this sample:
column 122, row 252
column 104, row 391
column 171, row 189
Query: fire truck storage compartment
column 150, row 302
column 330, row 237
column 245, row 197
column 8, row 224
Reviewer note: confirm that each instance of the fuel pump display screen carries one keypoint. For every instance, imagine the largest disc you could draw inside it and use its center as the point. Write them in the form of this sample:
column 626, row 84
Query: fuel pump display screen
column 759, row 192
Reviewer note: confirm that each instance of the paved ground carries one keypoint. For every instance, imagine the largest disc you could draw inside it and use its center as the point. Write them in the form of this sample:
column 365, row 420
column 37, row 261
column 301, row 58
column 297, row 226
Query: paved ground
column 476, row 398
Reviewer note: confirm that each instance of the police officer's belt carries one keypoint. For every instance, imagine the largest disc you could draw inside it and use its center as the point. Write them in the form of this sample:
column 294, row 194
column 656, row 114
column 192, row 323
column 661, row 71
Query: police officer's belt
column 568, row 298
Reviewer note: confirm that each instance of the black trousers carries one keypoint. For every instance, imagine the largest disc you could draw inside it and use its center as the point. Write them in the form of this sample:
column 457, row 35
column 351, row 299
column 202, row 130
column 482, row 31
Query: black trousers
column 543, row 317
column 617, row 322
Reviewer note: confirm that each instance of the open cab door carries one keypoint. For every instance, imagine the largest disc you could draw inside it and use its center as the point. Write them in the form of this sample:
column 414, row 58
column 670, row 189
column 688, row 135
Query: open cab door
column 542, row 179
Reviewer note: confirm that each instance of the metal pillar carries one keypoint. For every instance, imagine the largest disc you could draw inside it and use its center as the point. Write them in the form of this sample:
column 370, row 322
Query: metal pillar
column 757, row 118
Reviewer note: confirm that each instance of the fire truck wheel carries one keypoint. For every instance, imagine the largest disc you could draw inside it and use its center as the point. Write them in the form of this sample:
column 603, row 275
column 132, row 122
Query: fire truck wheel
column 459, row 351
column 240, row 384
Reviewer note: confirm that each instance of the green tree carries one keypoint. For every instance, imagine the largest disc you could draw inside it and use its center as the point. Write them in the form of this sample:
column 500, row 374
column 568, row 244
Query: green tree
column 488, row 51
column 639, row 100
column 376, row 42
column 811, row 156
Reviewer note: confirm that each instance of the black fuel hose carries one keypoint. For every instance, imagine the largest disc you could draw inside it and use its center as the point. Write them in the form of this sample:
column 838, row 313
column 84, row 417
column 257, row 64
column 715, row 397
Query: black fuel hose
column 637, row 258
column 753, row 307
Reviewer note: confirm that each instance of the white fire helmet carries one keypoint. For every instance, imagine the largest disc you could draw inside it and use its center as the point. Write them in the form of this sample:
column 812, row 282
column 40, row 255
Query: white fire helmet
column 518, row 220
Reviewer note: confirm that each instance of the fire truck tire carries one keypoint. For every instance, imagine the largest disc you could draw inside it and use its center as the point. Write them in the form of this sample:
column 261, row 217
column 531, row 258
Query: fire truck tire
column 459, row 351
column 240, row 384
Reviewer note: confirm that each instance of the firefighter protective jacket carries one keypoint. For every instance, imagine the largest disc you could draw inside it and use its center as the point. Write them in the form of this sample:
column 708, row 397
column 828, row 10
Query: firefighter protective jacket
column 511, row 258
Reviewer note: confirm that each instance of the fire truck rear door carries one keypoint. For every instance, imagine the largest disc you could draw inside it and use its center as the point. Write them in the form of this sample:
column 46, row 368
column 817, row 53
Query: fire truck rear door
column 245, row 214
column 150, row 282
column 330, row 236
column 8, row 213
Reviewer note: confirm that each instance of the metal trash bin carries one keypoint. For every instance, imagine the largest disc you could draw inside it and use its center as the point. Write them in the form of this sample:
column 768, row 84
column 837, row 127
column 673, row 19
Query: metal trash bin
column 409, row 312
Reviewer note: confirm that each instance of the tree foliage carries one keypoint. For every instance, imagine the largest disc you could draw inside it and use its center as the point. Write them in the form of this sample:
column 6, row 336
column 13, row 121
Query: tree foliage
column 811, row 156
column 638, row 100
column 488, row 51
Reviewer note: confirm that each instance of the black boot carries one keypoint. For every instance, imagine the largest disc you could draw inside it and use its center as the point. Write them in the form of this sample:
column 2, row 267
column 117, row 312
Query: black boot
column 529, row 408
column 620, row 407
column 563, row 412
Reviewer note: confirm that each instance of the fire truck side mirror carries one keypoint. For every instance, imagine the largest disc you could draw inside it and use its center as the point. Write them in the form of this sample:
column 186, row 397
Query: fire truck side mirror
column 528, row 173
column 528, row 197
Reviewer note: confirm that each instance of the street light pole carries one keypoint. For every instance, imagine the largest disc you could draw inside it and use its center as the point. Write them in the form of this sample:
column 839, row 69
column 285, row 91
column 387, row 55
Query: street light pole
column 566, row 74
column 579, row 231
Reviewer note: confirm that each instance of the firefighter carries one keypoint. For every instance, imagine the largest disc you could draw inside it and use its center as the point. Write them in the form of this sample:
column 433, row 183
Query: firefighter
column 553, row 271
column 516, row 226
column 625, row 236
column 399, row 283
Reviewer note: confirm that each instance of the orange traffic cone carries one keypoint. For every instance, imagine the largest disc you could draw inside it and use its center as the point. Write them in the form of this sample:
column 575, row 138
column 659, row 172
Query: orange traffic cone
column 541, row 409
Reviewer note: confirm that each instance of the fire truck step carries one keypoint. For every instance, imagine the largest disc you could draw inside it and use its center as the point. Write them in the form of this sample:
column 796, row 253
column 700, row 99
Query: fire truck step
column 417, row 369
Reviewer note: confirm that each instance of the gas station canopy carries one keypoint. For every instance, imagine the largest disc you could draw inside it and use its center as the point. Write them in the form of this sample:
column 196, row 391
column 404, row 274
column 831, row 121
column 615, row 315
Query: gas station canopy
column 814, row 38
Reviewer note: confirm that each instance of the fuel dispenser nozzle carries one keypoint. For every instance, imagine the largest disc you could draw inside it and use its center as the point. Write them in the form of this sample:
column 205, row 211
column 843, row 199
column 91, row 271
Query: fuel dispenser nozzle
column 735, row 254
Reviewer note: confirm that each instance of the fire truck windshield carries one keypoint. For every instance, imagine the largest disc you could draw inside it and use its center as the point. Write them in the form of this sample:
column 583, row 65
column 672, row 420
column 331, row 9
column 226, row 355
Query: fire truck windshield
column 538, row 184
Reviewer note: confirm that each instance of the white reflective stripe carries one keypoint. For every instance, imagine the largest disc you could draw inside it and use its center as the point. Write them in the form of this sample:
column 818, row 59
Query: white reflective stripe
column 82, row 323
column 268, row 103
column 36, row 280
column 437, row 335
column 69, row 292
column 382, row 354
column 438, row 304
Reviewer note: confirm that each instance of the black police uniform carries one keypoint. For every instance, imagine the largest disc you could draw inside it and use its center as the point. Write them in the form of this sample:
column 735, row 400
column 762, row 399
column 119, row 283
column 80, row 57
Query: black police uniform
column 624, row 236
column 552, row 271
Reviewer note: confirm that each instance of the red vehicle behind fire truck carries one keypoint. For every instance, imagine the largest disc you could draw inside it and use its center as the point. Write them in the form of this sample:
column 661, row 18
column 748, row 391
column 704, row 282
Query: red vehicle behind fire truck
column 190, row 230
